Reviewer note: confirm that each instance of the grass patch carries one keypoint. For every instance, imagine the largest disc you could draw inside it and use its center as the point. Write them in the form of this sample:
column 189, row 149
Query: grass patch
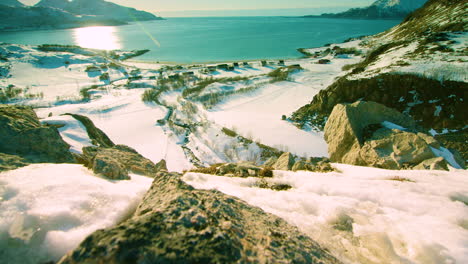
column 262, row 183
column 282, row 74
column 10, row 92
column 346, row 51
column 400, row 179
column 203, row 83
column 208, row 170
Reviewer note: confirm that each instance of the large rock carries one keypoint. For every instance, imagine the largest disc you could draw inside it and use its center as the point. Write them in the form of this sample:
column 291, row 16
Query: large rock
column 97, row 136
column 344, row 130
column 371, row 134
column 118, row 161
column 21, row 134
column 432, row 164
column 392, row 149
column 178, row 224
column 285, row 162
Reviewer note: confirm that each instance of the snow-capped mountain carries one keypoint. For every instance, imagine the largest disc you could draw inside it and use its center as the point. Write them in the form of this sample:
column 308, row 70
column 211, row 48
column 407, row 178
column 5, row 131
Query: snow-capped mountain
column 381, row 9
column 402, row 5
column 13, row 3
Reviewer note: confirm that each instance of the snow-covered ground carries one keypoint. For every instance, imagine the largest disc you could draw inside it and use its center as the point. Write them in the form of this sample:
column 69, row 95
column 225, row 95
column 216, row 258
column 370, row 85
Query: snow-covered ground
column 396, row 216
column 48, row 209
column 367, row 215
column 127, row 120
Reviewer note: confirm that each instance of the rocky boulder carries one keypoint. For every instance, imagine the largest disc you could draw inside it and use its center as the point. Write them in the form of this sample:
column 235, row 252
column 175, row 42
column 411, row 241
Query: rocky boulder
column 241, row 169
column 371, row 134
column 285, row 162
column 176, row 223
column 116, row 162
column 97, row 136
column 314, row 165
column 21, row 134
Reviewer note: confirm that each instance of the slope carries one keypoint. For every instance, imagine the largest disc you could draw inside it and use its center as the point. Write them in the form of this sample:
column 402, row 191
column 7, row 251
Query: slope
column 99, row 8
column 381, row 9
column 417, row 67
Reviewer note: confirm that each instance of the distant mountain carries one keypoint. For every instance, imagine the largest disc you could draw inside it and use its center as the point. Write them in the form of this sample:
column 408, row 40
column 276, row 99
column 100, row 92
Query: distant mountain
column 13, row 3
column 100, row 9
column 381, row 9
column 52, row 14
column 31, row 18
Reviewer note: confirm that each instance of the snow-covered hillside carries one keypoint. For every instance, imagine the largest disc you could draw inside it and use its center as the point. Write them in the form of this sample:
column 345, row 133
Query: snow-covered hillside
column 403, row 5
column 381, row 9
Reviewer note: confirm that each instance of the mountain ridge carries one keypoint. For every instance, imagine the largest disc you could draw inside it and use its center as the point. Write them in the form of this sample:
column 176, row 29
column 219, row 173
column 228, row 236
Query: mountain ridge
column 59, row 14
column 99, row 8
column 380, row 9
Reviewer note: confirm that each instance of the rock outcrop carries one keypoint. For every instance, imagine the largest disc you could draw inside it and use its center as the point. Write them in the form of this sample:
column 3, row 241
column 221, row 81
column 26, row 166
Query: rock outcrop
column 116, row 162
column 284, row 162
column 97, row 136
column 371, row 134
column 11, row 162
column 21, row 134
column 176, row 223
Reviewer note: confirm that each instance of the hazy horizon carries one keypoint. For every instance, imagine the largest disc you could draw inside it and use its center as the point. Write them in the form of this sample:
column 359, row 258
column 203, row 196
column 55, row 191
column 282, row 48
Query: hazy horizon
column 211, row 8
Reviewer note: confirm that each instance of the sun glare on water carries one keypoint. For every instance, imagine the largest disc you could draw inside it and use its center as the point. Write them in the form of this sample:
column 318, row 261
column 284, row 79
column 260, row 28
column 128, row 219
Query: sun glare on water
column 97, row 38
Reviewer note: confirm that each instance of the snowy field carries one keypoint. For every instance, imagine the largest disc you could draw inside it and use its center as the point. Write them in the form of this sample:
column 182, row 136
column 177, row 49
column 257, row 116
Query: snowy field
column 367, row 215
column 363, row 215
column 48, row 209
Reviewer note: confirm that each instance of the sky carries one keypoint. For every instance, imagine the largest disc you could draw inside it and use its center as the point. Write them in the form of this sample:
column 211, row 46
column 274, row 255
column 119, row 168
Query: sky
column 237, row 7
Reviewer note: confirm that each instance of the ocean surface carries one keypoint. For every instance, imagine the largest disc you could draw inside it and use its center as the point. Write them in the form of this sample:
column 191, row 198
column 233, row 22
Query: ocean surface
column 210, row 39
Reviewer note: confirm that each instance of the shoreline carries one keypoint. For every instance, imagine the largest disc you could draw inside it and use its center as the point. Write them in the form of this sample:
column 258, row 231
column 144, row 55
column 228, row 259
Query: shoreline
column 211, row 62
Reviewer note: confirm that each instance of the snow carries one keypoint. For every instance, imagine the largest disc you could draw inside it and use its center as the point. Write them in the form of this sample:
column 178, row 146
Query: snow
column 259, row 113
column 391, row 125
column 447, row 155
column 127, row 120
column 404, row 5
column 422, row 220
column 48, row 209
column 72, row 131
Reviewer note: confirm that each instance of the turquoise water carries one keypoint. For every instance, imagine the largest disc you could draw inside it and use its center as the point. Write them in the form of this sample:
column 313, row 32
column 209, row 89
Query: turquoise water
column 192, row 40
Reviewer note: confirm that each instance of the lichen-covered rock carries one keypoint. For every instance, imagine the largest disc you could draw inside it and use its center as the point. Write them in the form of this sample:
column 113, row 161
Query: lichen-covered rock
column 178, row 224
column 432, row 164
column 105, row 165
column 270, row 162
column 393, row 149
column 21, row 134
column 344, row 130
column 161, row 165
column 97, row 136
column 285, row 162
column 299, row 165
column 121, row 160
column 241, row 169
column 370, row 134
column 11, row 162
